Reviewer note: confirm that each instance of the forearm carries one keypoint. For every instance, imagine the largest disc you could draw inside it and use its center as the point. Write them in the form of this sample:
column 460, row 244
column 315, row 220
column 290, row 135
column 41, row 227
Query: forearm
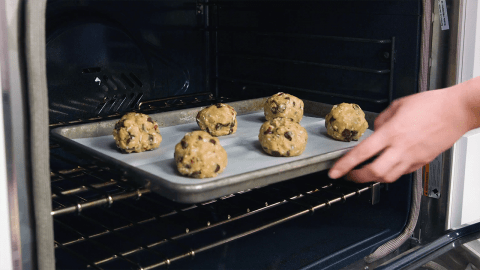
column 468, row 96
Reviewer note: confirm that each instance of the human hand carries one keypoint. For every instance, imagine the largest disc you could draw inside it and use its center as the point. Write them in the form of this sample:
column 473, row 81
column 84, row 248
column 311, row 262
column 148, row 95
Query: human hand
column 408, row 134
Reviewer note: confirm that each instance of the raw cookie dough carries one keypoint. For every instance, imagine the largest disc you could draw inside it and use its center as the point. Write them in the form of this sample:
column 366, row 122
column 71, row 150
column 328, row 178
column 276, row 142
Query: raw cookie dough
column 218, row 120
column 200, row 155
column 136, row 132
column 282, row 137
column 346, row 122
column 283, row 105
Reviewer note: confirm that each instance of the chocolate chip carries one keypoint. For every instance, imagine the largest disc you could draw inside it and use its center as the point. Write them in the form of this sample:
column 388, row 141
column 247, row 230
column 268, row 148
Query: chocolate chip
column 149, row 119
column 287, row 97
column 218, row 126
column 184, row 144
column 181, row 160
column 280, row 93
column 218, row 168
column 188, row 166
column 219, row 105
column 213, row 141
column 276, row 154
column 331, row 122
column 288, row 135
column 274, row 110
column 288, row 153
column 195, row 173
column 232, row 124
column 119, row 125
column 268, row 131
column 231, row 131
column 208, row 130
column 294, row 104
column 349, row 134
column 200, row 138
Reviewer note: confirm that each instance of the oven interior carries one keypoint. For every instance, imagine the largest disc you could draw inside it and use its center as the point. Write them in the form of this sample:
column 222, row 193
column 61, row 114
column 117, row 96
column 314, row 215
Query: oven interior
column 105, row 58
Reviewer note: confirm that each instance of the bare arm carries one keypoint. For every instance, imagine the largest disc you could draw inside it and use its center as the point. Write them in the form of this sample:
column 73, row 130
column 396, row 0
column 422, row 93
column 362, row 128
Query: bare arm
column 412, row 132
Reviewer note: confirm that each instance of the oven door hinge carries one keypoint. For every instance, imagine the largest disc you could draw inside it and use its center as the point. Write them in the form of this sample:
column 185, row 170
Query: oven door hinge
column 415, row 241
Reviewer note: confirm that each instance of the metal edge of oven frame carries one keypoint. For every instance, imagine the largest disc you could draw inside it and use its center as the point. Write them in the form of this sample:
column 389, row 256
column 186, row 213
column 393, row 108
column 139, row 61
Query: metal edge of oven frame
column 26, row 133
column 28, row 229
column 444, row 72
column 443, row 54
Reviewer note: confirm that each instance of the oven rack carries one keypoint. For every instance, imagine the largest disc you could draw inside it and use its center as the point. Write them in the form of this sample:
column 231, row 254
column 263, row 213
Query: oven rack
column 152, row 106
column 91, row 203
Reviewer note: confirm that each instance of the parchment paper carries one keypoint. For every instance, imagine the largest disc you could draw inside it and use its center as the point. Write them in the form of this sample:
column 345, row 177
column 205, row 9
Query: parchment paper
column 243, row 148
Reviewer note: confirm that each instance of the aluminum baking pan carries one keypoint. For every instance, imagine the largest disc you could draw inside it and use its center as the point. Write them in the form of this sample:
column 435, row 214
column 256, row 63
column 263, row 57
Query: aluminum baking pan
column 248, row 166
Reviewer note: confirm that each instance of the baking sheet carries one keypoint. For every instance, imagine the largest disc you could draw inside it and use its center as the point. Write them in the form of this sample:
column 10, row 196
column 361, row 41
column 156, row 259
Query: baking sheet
column 248, row 166
column 243, row 149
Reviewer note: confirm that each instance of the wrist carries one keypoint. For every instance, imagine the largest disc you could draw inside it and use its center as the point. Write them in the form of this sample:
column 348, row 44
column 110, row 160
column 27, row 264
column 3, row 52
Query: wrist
column 467, row 97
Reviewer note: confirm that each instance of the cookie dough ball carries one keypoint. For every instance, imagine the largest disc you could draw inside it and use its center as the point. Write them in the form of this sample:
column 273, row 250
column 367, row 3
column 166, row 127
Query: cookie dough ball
column 346, row 122
column 200, row 155
column 218, row 120
column 282, row 137
column 136, row 132
column 283, row 105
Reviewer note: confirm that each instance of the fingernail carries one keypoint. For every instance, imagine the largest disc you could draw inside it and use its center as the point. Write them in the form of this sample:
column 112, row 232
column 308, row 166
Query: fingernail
column 334, row 174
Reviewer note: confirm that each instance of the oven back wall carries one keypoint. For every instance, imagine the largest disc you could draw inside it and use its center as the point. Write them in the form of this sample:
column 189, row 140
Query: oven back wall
column 365, row 52
column 106, row 57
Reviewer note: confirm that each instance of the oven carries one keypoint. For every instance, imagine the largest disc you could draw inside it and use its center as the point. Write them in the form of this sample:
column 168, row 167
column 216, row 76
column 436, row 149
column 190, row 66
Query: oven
column 67, row 63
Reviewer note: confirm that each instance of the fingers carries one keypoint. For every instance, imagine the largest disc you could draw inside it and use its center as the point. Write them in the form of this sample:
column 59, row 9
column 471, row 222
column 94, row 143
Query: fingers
column 387, row 168
column 363, row 151
column 366, row 149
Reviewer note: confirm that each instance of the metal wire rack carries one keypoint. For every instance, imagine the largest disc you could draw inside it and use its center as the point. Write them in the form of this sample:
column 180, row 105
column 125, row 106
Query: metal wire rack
column 155, row 105
column 102, row 221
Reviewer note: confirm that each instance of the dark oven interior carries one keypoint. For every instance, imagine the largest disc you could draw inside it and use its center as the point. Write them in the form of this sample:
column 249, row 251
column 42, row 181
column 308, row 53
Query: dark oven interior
column 105, row 58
